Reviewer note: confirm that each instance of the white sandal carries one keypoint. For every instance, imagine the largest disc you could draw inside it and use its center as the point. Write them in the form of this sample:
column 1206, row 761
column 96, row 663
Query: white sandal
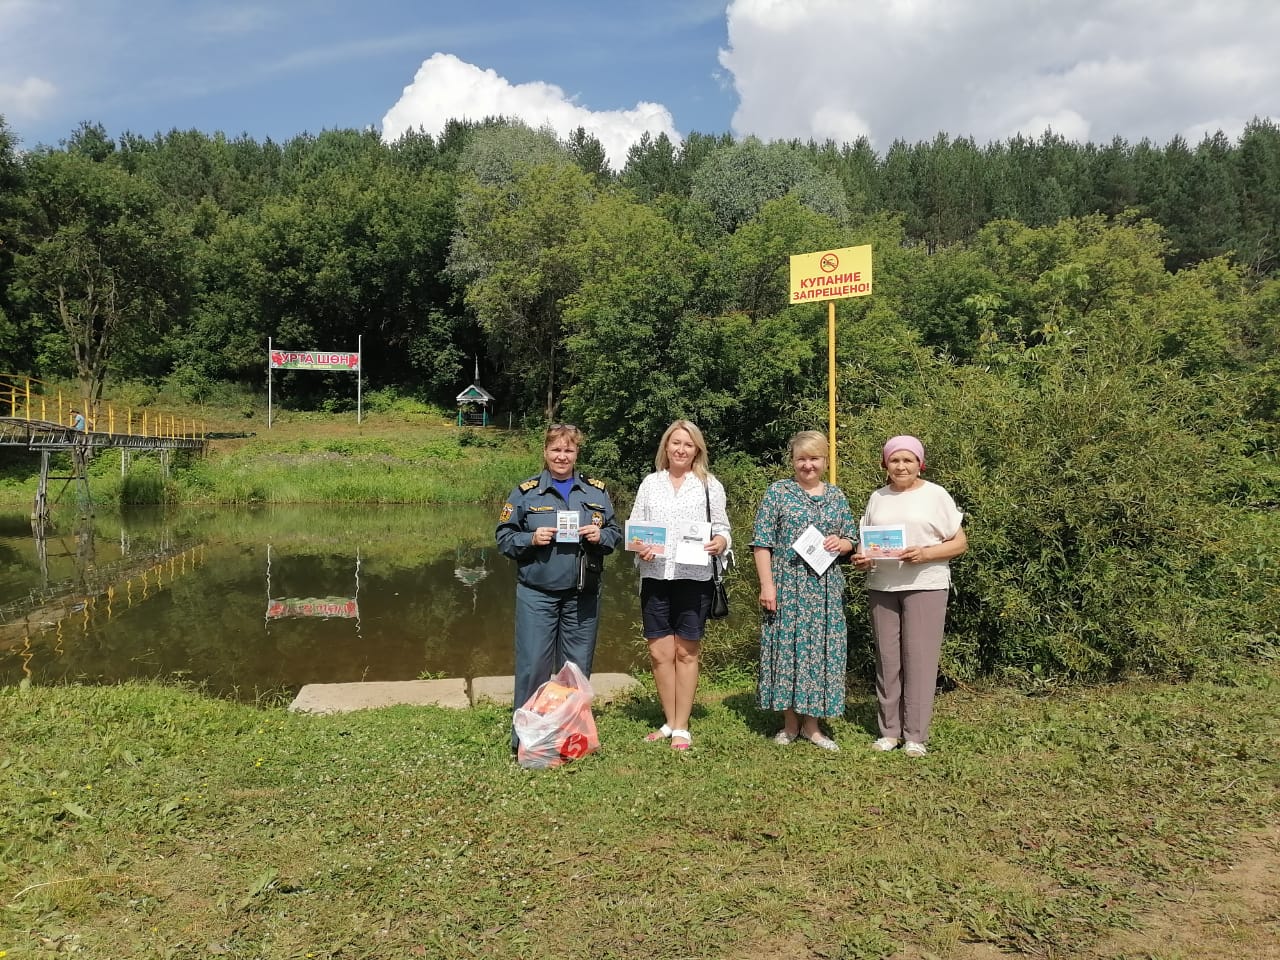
column 683, row 735
column 820, row 739
column 662, row 733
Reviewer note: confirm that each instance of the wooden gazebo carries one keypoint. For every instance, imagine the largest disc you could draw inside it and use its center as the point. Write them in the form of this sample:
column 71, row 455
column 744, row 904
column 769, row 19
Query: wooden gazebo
column 475, row 406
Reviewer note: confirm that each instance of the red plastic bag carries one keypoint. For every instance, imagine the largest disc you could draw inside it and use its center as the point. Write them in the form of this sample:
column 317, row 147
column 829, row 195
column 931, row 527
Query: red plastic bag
column 555, row 724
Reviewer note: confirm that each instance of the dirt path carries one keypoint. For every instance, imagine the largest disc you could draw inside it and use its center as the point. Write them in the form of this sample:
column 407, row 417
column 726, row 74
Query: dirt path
column 1233, row 915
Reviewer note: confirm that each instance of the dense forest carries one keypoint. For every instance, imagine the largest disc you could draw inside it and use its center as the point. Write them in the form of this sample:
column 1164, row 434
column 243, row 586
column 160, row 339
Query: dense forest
column 1085, row 334
column 175, row 257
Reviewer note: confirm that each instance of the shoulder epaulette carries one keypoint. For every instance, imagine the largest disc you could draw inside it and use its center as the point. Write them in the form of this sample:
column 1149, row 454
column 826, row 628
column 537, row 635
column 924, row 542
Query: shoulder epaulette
column 529, row 484
column 598, row 484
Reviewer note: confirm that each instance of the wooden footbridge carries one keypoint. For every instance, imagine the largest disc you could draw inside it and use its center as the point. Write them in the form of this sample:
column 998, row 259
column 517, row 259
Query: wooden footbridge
column 42, row 420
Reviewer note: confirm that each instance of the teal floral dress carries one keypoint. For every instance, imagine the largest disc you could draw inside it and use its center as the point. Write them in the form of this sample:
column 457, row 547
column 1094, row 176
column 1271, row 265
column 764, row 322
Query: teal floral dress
column 804, row 645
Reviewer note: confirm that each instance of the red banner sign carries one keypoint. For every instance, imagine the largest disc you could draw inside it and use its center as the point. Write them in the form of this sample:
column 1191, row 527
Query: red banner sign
column 313, row 360
column 327, row 608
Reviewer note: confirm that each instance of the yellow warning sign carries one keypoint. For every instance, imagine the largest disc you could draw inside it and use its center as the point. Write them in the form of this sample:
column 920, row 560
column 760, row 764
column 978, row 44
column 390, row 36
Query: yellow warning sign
column 831, row 274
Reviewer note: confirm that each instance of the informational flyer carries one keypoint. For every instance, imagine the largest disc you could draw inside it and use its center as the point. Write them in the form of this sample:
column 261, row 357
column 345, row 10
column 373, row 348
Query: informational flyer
column 566, row 526
column 885, row 541
column 809, row 546
column 642, row 535
column 692, row 537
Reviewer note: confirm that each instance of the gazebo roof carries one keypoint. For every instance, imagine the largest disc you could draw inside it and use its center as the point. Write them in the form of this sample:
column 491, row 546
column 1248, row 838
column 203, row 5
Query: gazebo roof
column 475, row 394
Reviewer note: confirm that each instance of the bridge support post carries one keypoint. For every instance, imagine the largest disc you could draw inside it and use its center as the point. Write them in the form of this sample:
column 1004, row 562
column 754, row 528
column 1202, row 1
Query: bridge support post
column 80, row 454
column 40, row 509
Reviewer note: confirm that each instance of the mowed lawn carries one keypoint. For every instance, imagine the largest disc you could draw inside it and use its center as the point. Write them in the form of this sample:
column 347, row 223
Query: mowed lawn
column 150, row 821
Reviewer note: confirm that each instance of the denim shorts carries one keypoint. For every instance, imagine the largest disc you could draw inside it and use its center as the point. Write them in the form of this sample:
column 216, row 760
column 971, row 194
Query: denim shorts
column 677, row 607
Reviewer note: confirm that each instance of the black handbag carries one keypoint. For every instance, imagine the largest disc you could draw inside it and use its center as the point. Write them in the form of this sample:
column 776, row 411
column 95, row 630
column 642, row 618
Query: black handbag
column 719, row 595
column 590, row 569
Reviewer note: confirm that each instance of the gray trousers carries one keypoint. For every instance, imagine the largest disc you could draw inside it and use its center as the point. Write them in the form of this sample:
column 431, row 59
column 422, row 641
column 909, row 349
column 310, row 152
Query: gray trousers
column 551, row 627
column 908, row 625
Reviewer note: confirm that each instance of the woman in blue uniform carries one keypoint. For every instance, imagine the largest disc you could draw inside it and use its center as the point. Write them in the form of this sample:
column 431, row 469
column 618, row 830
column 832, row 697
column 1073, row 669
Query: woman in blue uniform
column 558, row 578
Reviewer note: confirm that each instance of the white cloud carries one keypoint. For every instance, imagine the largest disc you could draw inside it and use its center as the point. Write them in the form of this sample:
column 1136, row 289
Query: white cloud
column 24, row 91
column 1065, row 123
column 446, row 88
column 26, row 97
column 990, row 68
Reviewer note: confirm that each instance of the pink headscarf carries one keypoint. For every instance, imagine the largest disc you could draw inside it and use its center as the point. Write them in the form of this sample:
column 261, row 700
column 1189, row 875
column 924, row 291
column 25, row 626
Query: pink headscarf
column 894, row 444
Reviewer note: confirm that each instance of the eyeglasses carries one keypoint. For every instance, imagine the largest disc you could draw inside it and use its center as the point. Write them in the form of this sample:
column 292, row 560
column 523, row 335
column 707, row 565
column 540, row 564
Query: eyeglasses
column 561, row 427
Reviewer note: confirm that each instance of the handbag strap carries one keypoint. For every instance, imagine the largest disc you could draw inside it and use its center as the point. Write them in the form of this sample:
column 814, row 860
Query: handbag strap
column 715, row 560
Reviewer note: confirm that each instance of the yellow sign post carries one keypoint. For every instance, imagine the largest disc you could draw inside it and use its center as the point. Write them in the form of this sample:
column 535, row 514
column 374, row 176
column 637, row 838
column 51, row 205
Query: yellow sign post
column 831, row 275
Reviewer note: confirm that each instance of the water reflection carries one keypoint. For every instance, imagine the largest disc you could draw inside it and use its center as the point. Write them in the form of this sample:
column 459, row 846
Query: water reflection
column 472, row 567
column 323, row 608
column 387, row 593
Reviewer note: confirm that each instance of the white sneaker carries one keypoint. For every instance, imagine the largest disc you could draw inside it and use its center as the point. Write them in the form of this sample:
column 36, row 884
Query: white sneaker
column 913, row 749
column 885, row 744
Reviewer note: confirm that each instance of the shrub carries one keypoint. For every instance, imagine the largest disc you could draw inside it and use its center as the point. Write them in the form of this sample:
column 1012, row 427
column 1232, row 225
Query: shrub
column 134, row 394
column 1096, row 466
column 391, row 400
column 145, row 484
column 1095, row 519
column 483, row 439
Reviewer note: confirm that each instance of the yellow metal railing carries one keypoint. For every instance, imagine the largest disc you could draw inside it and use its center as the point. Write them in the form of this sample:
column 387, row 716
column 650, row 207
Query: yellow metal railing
column 32, row 400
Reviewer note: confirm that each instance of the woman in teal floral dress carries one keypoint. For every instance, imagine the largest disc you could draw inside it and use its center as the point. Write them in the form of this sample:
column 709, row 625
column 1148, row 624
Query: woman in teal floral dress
column 803, row 642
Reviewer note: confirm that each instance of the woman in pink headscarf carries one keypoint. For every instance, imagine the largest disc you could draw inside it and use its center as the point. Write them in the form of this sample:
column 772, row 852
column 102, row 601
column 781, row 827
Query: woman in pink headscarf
column 908, row 589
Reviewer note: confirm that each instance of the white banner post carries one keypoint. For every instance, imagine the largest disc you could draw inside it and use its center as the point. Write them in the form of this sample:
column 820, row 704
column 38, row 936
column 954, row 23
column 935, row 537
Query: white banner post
column 325, row 360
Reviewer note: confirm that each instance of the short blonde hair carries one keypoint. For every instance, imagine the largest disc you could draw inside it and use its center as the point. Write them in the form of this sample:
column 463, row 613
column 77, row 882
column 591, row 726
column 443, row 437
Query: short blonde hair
column 812, row 442
column 563, row 431
column 701, row 463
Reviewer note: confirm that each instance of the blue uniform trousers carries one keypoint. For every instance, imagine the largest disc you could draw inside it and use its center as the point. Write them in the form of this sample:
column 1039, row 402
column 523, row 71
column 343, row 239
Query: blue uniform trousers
column 551, row 627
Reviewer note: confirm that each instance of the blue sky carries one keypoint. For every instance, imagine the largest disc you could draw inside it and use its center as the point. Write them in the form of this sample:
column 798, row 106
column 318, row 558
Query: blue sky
column 282, row 67
column 887, row 69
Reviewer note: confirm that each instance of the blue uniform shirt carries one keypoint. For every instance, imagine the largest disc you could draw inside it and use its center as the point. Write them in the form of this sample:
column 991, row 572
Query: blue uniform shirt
column 535, row 503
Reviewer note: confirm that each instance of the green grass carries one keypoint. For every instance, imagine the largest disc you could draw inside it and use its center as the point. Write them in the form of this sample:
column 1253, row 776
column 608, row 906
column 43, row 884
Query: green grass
column 389, row 458
column 147, row 821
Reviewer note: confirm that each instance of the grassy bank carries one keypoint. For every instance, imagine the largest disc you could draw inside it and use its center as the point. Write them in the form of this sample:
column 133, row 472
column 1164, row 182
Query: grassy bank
column 151, row 822
column 382, row 461
column 390, row 457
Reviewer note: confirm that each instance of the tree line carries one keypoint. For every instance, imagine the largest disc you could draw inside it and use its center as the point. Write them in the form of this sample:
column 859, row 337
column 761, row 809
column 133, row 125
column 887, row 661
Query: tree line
column 177, row 256
column 1085, row 335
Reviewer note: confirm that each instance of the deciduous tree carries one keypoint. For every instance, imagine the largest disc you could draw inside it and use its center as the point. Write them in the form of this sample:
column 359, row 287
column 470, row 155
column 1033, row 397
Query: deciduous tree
column 515, row 248
column 98, row 254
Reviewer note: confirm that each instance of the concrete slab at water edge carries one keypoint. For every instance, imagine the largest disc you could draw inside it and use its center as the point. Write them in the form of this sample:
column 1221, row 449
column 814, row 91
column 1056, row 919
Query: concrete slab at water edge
column 344, row 697
column 496, row 690
column 612, row 686
column 607, row 687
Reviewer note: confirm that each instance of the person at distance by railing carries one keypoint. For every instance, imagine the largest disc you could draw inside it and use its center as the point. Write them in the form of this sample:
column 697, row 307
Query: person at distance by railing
column 77, row 420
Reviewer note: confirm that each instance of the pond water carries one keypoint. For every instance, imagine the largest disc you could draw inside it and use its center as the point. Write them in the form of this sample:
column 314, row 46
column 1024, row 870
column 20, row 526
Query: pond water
column 254, row 602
